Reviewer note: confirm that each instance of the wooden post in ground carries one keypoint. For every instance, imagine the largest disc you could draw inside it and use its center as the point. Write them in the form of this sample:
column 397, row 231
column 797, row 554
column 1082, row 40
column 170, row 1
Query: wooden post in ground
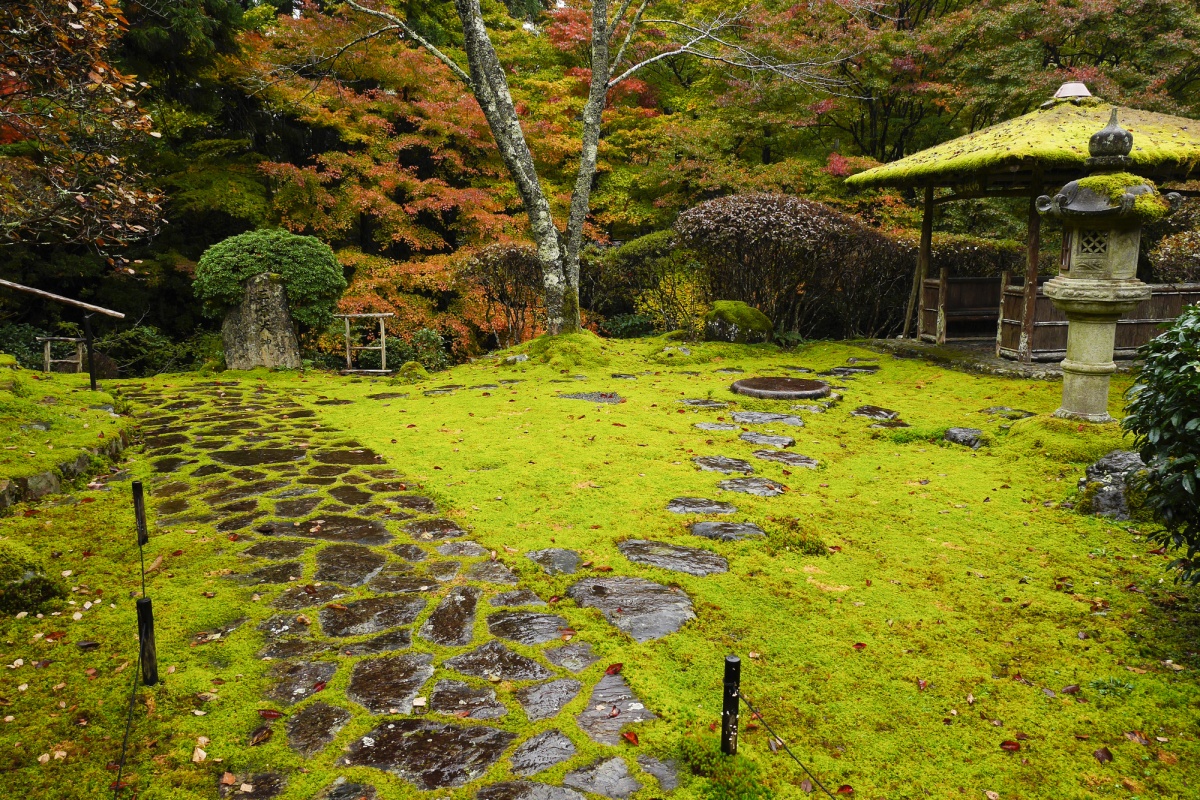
column 729, row 709
column 1032, row 252
column 915, row 298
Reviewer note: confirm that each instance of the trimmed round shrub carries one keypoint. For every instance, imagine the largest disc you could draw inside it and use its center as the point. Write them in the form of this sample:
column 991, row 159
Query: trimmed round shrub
column 1176, row 258
column 25, row 583
column 311, row 274
column 1164, row 416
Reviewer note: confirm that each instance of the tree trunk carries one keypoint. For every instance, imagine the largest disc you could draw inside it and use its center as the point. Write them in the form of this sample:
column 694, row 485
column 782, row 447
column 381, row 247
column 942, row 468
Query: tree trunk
column 491, row 91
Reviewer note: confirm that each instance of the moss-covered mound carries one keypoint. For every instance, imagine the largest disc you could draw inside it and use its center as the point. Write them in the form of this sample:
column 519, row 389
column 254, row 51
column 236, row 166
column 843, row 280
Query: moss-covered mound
column 25, row 584
column 734, row 321
column 569, row 350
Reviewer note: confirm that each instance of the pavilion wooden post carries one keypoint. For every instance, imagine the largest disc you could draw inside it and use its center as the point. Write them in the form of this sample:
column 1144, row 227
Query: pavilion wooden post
column 349, row 361
column 1033, row 250
column 916, row 298
column 382, row 346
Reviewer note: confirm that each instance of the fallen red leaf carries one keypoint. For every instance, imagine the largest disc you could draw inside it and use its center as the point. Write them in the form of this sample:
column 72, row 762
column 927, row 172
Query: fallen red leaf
column 921, row 684
column 845, row 788
column 630, row 737
column 319, row 686
column 614, row 669
column 1103, row 755
column 87, row 500
column 1010, row 745
column 860, row 646
column 269, row 713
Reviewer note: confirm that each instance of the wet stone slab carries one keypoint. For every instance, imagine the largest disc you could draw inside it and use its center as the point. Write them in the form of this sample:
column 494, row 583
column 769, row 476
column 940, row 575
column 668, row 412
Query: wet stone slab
column 299, row 597
column 434, row 529
column 526, row 627
column 253, row 457
column 428, row 754
column 665, row 772
column 715, row 426
column 790, row 459
column 276, row 573
column 342, row 790
column 370, row 616
column 443, row 571
column 394, row 583
column 555, row 560
column 704, row 403
column 517, row 597
column 726, row 531
column 409, row 552
column 247, row 474
column 1007, row 412
column 691, row 560
column 348, row 564
column 388, row 685
column 242, row 492
column 284, row 625
column 575, row 657
column 328, row 471
column 643, row 609
column 355, row 457
column 526, row 790
column 170, row 464
column 278, row 549
column 546, row 700
column 609, row 778
column 874, row 412
column 462, row 700
column 765, row 417
column 465, row 549
column 399, row 639
column 350, row 495
column 262, row 786
column 338, row 528
column 541, row 752
column 594, row 397
column 699, row 505
column 967, row 437
column 767, row 439
column 415, row 504
column 173, row 506
column 597, row 721
column 759, row 487
column 723, row 464
column 299, row 680
column 494, row 660
column 297, row 508
column 451, row 623
column 314, row 726
column 491, row 572
column 292, row 648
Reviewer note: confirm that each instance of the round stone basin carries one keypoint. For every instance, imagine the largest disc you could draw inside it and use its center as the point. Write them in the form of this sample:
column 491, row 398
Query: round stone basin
column 781, row 388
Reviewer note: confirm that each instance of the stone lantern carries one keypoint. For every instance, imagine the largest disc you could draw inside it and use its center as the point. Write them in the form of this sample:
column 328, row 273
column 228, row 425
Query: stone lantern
column 1102, row 217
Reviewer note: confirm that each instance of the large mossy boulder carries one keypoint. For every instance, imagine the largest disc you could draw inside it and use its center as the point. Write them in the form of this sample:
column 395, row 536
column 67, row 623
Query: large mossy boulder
column 734, row 321
column 25, row 583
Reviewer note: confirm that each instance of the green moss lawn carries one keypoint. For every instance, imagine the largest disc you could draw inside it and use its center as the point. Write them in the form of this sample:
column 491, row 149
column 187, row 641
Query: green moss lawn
column 915, row 605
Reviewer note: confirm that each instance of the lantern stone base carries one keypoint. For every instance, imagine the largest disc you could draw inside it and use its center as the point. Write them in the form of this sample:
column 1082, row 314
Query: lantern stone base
column 1092, row 308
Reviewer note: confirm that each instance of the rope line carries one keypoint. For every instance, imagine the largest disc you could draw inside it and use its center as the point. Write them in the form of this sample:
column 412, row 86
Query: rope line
column 758, row 715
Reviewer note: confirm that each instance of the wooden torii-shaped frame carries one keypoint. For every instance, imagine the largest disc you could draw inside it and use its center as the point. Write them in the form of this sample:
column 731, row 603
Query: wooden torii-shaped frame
column 87, row 318
column 351, row 348
column 1026, row 157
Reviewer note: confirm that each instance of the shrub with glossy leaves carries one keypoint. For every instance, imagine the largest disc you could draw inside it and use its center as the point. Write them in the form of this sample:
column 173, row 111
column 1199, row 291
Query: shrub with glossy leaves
column 1164, row 416
column 311, row 274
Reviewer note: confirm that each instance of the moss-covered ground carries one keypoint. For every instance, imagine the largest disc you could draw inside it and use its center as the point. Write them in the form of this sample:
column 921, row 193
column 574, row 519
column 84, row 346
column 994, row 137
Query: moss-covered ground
column 954, row 600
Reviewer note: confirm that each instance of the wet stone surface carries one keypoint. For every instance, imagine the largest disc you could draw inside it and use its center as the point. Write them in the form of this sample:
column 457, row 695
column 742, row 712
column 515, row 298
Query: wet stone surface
column 356, row 457
column 434, row 529
column 526, row 627
column 253, row 457
column 263, row 785
column 298, row 680
column 541, row 752
column 723, row 464
column 609, row 778
column 493, row 659
column 350, row 495
column 278, row 549
column 314, row 726
column 665, row 772
column 517, row 597
column 555, row 560
column 759, row 487
column 173, row 506
column 428, row 754
column 369, row 616
column 643, row 609
column 526, row 790
column 338, row 528
column 462, row 700
column 781, row 388
column 967, row 437
column 409, row 552
column 704, row 403
column 692, row 560
column 767, row 439
column 491, row 572
column 296, row 508
column 1007, row 413
column 594, row 397
column 699, row 505
column 597, row 721
column 465, row 549
column 348, row 564
column 307, row 596
column 276, row 573
column 546, row 700
column 341, row 790
column 726, row 531
column 388, row 685
column 576, row 656
column 399, row 639
column 284, row 625
column 444, row 571
column 715, row 426
column 874, row 412
column 451, row 623
column 791, row 459
column 395, row 583
column 764, row 417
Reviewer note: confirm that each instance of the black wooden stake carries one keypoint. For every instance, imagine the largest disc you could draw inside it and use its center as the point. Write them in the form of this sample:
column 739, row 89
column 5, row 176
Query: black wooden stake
column 87, row 333
column 729, row 712
column 139, row 510
column 149, row 654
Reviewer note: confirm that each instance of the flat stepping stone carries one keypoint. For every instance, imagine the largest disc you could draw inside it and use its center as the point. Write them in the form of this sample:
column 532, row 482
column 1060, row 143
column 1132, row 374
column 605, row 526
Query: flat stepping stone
column 526, row 790
column 388, row 685
column 729, row 371
column 238, row 523
column 412, row 503
column 341, row 790
column 809, row 408
column 400, row 639
column 575, row 657
column 276, row 573
column 434, row 529
column 409, row 552
column 850, row 371
column 466, row 549
column 494, row 660
column 517, row 597
column 526, row 627
column 262, row 786
column 701, row 402
column 350, row 495
column 388, row 396
column 791, row 459
column 392, row 583
column 624, row 376
column 277, row 550
column 291, row 648
column 169, row 507
column 764, row 417
column 314, row 726
column 370, row 616
column 254, row 457
column 459, row 699
column 765, row 438
column 699, row 505
column 643, row 609
column 781, row 388
column 691, row 560
column 244, row 491
column 491, row 572
column 218, row 634
column 328, row 470
column 874, row 412
column 348, row 564
column 541, row 752
column 299, row 597
column 443, row 571
column 726, row 531
column 453, row 621
column 284, row 625
column 715, row 426
column 794, row 368
column 759, row 487
column 428, row 754
column 967, row 437
column 546, row 700
column 171, row 464
column 299, row 680
column 597, row 720
column 722, row 464
column 609, row 778
column 355, row 457
column 556, row 560
column 1007, row 413
column 594, row 397
column 665, row 772
column 891, row 423
column 337, row 528
column 297, row 508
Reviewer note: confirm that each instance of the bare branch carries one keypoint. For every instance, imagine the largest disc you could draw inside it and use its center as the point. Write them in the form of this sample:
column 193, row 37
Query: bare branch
column 458, row 71
column 637, row 17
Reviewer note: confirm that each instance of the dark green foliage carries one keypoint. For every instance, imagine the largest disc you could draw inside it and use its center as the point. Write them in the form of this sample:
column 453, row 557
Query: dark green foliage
column 310, row 272
column 726, row 777
column 627, row 326
column 426, row 348
column 1164, row 416
column 145, row 350
column 788, row 535
column 652, row 276
column 25, row 585
column 20, row 340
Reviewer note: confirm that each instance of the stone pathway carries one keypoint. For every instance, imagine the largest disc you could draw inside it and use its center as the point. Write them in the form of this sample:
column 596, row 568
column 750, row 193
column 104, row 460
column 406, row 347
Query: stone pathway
column 388, row 574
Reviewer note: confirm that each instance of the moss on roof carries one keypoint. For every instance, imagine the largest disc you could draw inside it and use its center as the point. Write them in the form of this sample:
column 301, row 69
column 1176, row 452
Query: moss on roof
column 1055, row 137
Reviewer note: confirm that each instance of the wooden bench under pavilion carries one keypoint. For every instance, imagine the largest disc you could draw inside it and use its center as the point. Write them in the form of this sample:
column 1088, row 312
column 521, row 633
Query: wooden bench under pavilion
column 1025, row 157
